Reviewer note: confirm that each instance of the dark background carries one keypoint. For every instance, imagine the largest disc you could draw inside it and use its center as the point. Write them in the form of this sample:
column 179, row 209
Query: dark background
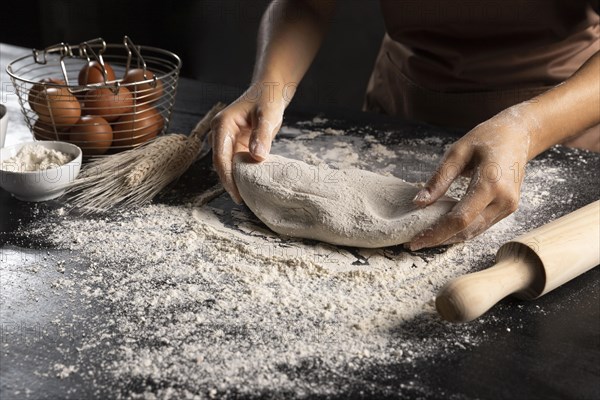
column 216, row 39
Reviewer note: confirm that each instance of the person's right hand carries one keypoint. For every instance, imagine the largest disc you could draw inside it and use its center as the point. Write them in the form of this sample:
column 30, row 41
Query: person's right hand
column 248, row 124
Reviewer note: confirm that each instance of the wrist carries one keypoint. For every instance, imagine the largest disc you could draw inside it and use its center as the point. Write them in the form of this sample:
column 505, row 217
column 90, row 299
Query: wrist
column 544, row 123
column 523, row 119
column 538, row 143
column 270, row 90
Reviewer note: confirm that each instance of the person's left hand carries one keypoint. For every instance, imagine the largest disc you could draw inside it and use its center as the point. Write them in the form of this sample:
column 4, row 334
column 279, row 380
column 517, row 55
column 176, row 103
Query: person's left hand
column 493, row 155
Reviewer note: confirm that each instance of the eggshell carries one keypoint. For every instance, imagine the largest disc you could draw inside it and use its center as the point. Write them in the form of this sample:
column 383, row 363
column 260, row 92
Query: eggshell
column 104, row 103
column 139, row 127
column 57, row 106
column 93, row 134
column 92, row 73
column 143, row 92
column 43, row 131
column 36, row 88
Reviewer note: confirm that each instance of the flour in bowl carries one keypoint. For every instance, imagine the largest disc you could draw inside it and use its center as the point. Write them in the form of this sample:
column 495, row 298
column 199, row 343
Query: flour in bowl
column 35, row 157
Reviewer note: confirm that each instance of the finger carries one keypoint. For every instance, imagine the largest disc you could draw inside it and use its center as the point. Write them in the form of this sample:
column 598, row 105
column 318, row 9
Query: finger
column 264, row 128
column 494, row 213
column 240, row 146
column 490, row 216
column 463, row 214
column 223, row 160
column 451, row 166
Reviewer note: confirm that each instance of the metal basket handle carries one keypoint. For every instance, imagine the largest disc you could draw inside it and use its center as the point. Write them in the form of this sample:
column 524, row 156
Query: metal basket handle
column 86, row 48
column 41, row 56
column 129, row 46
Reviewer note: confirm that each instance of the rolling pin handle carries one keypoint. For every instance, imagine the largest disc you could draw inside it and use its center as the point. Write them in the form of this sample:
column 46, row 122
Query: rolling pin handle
column 470, row 296
column 529, row 266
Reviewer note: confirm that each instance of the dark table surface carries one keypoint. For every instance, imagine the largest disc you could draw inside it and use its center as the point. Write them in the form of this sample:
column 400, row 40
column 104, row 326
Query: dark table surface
column 553, row 355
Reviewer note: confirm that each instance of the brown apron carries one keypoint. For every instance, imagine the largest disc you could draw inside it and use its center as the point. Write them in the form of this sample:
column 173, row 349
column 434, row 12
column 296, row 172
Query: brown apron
column 458, row 63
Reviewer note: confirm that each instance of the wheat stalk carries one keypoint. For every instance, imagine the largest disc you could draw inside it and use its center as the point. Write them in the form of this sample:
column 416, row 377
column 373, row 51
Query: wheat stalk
column 134, row 177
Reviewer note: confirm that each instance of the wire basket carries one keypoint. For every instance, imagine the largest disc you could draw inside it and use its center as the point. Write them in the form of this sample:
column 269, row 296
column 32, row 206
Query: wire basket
column 105, row 98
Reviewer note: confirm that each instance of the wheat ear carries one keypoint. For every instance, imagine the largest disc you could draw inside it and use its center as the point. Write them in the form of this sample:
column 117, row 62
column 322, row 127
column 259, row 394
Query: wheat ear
column 172, row 152
column 135, row 176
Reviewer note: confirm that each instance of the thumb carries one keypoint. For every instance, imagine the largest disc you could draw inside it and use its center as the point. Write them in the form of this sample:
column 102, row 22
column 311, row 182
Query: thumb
column 450, row 168
column 264, row 128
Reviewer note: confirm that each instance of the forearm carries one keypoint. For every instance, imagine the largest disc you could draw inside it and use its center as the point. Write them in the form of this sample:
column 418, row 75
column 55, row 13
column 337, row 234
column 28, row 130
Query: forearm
column 565, row 110
column 290, row 34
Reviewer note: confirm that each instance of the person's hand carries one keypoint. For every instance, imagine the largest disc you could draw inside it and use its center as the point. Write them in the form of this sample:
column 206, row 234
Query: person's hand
column 493, row 155
column 248, row 124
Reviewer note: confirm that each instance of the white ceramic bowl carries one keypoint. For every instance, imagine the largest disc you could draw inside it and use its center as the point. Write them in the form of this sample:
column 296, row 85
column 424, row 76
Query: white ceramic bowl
column 40, row 185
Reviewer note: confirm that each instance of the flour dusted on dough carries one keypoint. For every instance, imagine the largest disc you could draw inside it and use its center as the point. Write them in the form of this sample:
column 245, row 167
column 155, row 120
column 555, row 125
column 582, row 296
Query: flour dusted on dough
column 348, row 207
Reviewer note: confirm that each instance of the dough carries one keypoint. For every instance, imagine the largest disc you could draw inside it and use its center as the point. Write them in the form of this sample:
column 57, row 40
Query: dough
column 348, row 207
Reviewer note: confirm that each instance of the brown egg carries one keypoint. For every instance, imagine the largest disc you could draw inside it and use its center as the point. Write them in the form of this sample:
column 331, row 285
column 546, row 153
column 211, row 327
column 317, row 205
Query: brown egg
column 144, row 92
column 36, row 88
column 104, row 103
column 43, row 131
column 92, row 73
column 93, row 134
column 57, row 106
column 137, row 128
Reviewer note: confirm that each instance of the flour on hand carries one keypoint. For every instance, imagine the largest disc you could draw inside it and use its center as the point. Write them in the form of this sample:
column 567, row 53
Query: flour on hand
column 348, row 207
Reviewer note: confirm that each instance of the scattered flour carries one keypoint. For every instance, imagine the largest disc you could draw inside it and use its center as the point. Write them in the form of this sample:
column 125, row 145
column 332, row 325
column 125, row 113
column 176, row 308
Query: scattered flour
column 35, row 157
column 205, row 305
column 63, row 371
column 205, row 301
column 318, row 120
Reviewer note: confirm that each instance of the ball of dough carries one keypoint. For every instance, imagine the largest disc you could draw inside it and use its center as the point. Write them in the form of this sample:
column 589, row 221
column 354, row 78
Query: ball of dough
column 348, row 207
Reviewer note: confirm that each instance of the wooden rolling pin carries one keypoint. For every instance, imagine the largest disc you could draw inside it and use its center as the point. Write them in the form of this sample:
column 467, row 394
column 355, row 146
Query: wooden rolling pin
column 528, row 267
